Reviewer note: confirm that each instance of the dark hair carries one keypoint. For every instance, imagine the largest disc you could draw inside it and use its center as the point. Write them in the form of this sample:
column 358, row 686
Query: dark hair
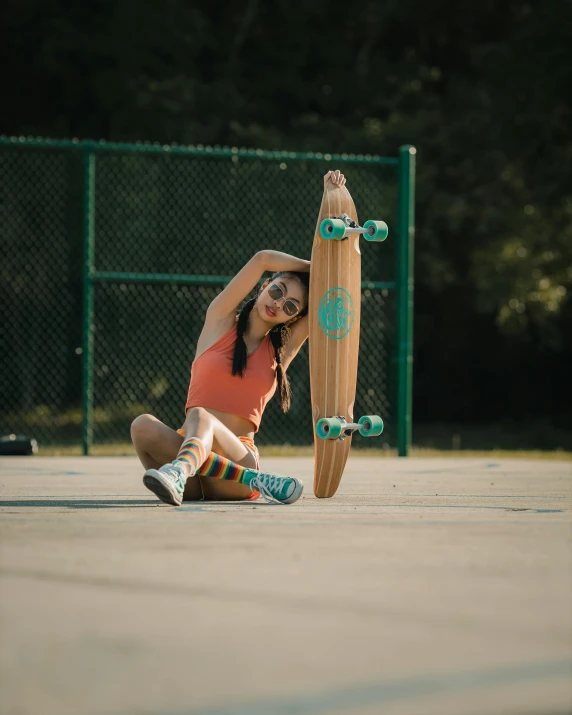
column 278, row 335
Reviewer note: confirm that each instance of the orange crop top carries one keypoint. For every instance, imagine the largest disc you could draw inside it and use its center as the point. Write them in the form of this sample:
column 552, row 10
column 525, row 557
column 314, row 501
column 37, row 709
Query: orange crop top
column 213, row 384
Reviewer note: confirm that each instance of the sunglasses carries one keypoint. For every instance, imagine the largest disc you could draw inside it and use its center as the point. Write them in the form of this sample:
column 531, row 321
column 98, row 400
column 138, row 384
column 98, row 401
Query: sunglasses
column 289, row 307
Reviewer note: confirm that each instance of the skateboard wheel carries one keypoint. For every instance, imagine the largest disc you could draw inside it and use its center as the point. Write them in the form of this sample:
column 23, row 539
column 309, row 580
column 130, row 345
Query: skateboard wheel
column 332, row 228
column 375, row 230
column 329, row 428
column 372, row 425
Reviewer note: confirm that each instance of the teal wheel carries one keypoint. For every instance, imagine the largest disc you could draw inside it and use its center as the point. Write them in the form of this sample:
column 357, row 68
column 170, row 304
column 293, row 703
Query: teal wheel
column 333, row 228
column 375, row 230
column 329, row 428
column 372, row 425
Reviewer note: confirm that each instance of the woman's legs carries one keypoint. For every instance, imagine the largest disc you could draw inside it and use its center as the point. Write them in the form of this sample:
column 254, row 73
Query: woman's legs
column 156, row 445
column 216, row 437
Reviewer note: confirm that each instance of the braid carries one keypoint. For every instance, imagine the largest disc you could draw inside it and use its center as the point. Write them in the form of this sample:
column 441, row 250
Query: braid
column 240, row 349
column 279, row 337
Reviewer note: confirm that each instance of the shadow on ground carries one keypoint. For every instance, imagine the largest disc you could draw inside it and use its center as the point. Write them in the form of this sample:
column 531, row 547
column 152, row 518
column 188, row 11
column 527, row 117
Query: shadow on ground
column 79, row 503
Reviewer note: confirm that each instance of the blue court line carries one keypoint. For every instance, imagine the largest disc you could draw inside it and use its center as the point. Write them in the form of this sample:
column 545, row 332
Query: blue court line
column 455, row 469
column 47, row 471
column 388, row 691
column 420, row 506
column 491, row 496
column 227, row 519
column 140, row 501
column 469, row 506
column 210, row 508
column 75, row 496
column 218, row 506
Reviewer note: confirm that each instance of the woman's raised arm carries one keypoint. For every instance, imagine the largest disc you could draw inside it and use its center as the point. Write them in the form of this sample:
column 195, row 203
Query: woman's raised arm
column 247, row 279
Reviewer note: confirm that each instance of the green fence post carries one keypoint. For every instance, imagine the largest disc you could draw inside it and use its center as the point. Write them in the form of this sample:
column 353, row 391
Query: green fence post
column 406, row 219
column 88, row 310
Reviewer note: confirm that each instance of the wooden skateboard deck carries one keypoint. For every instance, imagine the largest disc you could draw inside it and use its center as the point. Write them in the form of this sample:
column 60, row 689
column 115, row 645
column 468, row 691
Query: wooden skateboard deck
column 334, row 328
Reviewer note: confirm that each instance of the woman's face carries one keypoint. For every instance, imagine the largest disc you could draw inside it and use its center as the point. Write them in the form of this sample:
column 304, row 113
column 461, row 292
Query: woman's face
column 281, row 300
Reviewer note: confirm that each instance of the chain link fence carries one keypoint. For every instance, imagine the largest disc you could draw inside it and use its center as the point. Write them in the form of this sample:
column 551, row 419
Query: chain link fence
column 168, row 228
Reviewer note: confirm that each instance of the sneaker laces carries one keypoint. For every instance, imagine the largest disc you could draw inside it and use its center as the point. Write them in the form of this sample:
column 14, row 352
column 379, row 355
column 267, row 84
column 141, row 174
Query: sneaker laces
column 172, row 472
column 263, row 483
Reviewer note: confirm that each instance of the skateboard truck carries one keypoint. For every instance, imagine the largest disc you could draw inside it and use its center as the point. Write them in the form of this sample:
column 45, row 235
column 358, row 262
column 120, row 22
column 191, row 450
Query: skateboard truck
column 342, row 227
column 339, row 428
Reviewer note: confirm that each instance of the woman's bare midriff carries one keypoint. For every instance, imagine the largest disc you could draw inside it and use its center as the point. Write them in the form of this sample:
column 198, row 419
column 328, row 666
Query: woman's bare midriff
column 239, row 426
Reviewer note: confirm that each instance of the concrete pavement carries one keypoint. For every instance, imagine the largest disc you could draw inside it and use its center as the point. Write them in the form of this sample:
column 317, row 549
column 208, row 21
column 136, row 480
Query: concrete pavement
column 424, row 586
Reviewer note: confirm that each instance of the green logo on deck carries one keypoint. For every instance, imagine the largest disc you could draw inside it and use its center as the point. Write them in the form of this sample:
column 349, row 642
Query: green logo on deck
column 336, row 313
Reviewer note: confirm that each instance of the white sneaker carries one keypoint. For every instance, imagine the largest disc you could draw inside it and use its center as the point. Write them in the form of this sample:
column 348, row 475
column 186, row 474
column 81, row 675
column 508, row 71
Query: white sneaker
column 168, row 483
column 273, row 487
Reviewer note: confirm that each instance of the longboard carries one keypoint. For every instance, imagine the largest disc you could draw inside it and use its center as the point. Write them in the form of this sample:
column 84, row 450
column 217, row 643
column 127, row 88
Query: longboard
column 334, row 330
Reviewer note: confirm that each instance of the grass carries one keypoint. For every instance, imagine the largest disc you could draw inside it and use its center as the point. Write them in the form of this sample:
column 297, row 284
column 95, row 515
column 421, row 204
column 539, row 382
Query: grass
column 126, row 449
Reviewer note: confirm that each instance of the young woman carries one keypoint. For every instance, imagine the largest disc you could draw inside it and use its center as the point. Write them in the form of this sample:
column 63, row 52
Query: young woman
column 240, row 362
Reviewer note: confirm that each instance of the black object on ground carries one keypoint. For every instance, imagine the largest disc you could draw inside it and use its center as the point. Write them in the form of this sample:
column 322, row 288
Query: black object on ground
column 17, row 444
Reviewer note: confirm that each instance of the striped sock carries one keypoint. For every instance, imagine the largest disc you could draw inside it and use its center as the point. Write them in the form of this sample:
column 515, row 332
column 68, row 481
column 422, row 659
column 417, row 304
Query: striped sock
column 191, row 455
column 222, row 468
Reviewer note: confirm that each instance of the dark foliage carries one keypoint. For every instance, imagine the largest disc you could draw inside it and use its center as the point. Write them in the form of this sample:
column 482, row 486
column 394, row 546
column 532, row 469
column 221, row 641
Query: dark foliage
column 483, row 90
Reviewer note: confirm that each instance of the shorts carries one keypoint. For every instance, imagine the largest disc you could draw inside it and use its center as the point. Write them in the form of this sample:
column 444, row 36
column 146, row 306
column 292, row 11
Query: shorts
column 248, row 442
